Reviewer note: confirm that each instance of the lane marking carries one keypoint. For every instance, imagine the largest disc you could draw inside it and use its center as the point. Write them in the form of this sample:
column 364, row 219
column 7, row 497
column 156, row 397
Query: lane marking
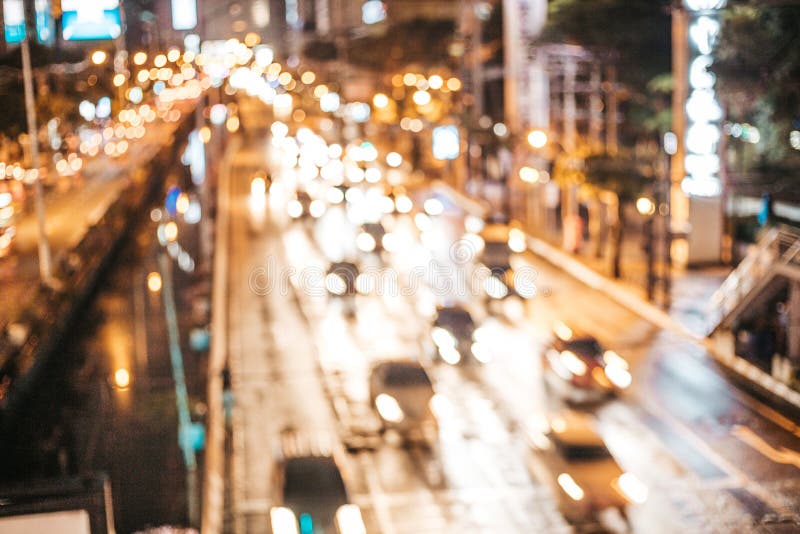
column 780, row 456
column 380, row 503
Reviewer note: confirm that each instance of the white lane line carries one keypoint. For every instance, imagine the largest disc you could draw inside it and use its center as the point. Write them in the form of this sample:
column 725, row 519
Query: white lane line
column 697, row 442
column 377, row 497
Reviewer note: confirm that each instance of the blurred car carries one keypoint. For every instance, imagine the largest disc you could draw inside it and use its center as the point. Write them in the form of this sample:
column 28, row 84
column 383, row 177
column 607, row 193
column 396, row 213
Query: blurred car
column 311, row 498
column 579, row 369
column 340, row 282
column 571, row 458
column 371, row 237
column 455, row 336
column 503, row 281
column 7, row 234
column 300, row 206
column 499, row 242
column 401, row 392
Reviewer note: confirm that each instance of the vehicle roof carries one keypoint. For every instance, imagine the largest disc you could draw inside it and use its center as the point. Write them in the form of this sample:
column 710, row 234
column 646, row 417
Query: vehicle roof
column 402, row 373
column 575, row 428
column 495, row 232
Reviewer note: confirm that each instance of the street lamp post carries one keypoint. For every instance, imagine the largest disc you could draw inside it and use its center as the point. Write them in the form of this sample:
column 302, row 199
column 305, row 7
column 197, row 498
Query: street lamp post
column 45, row 263
column 647, row 208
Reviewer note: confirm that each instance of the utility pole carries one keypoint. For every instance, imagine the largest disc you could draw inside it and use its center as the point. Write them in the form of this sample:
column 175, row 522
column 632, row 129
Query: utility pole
column 45, row 262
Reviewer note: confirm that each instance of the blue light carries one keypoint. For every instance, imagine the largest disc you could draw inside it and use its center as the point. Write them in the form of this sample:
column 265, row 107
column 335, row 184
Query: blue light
column 306, row 524
column 170, row 204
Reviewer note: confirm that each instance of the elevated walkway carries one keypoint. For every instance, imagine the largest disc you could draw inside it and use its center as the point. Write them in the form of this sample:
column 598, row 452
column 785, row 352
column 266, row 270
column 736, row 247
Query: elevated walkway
column 765, row 271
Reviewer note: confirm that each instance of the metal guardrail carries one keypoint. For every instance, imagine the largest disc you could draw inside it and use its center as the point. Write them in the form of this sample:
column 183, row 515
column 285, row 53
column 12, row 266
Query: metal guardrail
column 778, row 247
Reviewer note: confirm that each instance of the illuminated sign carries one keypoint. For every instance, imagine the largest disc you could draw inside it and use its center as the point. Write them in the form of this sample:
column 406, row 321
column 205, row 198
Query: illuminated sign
column 45, row 25
column 373, row 11
column 184, row 14
column 703, row 111
column 445, row 142
column 86, row 20
column 14, row 19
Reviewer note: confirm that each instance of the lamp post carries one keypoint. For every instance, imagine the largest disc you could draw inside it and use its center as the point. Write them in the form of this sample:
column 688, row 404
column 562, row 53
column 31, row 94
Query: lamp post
column 45, row 262
column 647, row 208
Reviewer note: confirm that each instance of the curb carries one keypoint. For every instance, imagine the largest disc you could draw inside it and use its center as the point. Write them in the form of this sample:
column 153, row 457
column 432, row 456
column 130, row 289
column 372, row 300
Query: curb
column 658, row 317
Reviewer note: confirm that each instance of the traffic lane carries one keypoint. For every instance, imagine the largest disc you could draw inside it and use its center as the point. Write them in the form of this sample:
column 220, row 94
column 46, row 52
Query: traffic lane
column 476, row 455
column 681, row 444
column 272, row 363
column 699, row 415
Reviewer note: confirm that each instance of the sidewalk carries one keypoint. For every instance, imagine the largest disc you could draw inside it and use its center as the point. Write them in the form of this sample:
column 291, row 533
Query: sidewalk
column 691, row 294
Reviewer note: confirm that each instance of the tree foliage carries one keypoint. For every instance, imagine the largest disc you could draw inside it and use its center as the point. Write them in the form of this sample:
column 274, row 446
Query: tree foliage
column 634, row 35
column 758, row 68
column 419, row 42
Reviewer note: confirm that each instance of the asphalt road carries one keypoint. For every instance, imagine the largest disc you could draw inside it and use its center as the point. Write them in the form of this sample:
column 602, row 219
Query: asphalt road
column 714, row 458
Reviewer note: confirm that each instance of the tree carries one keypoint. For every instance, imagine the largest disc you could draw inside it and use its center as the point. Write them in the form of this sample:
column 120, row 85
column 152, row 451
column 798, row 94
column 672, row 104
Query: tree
column 634, row 35
column 758, row 69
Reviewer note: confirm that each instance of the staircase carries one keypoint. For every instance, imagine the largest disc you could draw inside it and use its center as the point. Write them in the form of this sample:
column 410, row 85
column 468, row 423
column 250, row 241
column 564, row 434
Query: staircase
column 758, row 278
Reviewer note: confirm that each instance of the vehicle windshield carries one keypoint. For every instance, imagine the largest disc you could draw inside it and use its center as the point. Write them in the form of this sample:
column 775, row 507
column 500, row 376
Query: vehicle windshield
column 455, row 319
column 313, row 478
column 405, row 376
column 584, row 347
column 577, row 452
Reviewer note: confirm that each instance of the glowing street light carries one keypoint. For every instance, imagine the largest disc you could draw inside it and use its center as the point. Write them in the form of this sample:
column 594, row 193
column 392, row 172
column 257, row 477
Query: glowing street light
column 380, row 100
column 537, row 138
column 99, row 57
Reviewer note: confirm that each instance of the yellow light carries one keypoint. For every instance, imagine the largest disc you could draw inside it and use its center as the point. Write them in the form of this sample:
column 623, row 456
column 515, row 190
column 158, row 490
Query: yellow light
column 119, row 80
column 397, row 80
column 454, row 84
column 422, row 98
column 435, row 82
column 160, row 60
column 99, row 57
column 252, row 39
column 284, row 78
column 308, row 77
column 537, row 138
column 182, row 203
column 122, row 378
column 409, row 78
column 320, row 91
column 380, row 100
column 645, row 206
column 173, row 54
column 171, row 231
column 154, row 282
column 139, row 58
column 232, row 124
column 205, row 134
column 529, row 175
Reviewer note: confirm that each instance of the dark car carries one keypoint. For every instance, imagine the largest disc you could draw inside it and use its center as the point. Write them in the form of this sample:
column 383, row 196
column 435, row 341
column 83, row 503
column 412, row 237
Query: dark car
column 401, row 392
column 579, row 369
column 453, row 335
column 312, row 499
column 340, row 282
column 571, row 458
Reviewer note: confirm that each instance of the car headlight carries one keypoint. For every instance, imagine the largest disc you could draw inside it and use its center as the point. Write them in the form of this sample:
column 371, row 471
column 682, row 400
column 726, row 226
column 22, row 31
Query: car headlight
column 618, row 376
column 349, row 520
column 442, row 337
column 388, row 408
column 481, row 352
column 631, row 487
column 283, row 521
column 450, row 354
column 570, row 487
column 495, row 287
column 317, row 208
column 365, row 242
column 335, row 284
column 574, row 365
column 294, row 208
